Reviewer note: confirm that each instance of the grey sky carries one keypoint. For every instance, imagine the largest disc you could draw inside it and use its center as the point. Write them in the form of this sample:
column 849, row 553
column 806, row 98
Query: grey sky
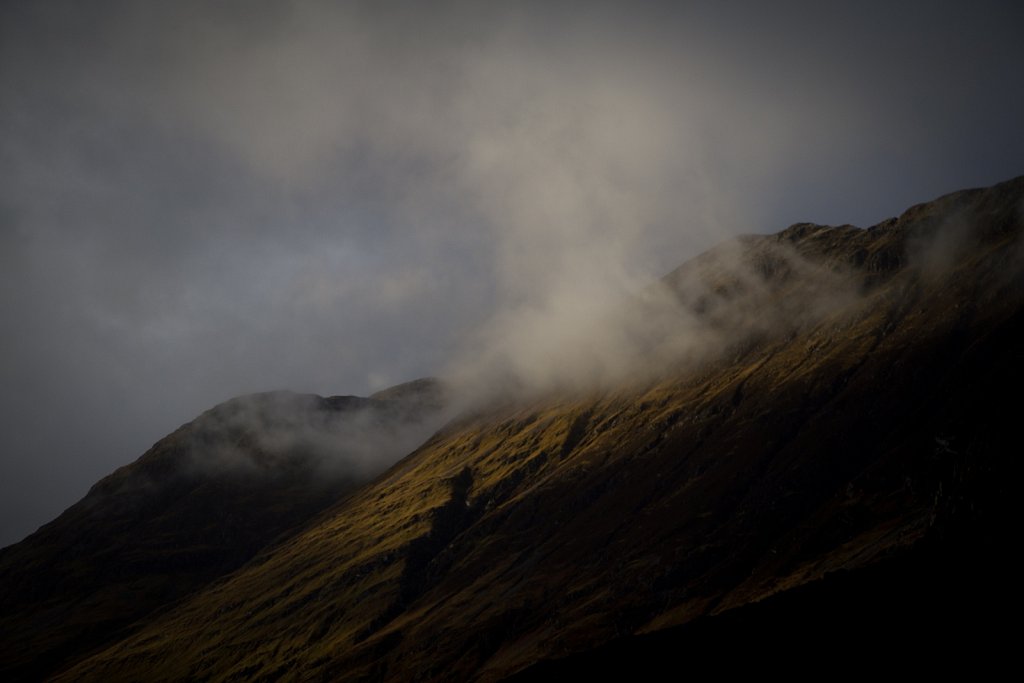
column 203, row 199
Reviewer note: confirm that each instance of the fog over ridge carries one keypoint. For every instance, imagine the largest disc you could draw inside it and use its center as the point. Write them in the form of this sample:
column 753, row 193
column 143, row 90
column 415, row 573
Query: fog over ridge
column 210, row 199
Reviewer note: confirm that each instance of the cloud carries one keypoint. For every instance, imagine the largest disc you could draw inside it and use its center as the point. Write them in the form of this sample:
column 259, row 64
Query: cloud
column 204, row 199
column 274, row 434
column 589, row 334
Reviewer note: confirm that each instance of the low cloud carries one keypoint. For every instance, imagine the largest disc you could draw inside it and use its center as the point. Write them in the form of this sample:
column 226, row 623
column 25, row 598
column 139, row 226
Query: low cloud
column 281, row 434
column 593, row 334
column 204, row 199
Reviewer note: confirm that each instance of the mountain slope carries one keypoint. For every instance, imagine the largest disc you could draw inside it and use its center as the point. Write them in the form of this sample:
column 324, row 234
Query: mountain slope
column 197, row 505
column 864, row 422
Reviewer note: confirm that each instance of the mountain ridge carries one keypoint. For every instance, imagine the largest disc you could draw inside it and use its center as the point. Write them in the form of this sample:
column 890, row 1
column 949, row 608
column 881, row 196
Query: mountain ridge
column 849, row 416
column 201, row 502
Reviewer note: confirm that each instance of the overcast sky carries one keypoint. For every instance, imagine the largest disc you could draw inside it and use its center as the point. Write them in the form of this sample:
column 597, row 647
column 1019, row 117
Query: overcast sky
column 205, row 199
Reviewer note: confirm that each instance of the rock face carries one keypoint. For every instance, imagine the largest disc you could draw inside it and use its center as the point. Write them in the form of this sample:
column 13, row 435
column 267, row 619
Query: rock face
column 850, row 432
column 199, row 504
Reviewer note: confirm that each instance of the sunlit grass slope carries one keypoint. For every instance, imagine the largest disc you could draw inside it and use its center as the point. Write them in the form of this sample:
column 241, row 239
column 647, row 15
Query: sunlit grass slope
column 539, row 527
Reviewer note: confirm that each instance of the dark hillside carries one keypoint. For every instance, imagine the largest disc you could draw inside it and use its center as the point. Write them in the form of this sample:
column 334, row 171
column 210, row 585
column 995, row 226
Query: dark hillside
column 199, row 504
column 824, row 459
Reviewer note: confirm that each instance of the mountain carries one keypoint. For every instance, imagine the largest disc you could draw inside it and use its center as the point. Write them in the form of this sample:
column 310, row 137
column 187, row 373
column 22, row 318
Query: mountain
column 199, row 504
column 822, row 469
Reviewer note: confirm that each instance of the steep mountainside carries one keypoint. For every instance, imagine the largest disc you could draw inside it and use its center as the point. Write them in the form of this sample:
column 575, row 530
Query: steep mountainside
column 197, row 505
column 854, row 419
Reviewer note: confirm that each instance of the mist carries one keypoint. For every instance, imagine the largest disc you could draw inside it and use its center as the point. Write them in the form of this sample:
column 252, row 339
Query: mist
column 203, row 200
column 332, row 440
